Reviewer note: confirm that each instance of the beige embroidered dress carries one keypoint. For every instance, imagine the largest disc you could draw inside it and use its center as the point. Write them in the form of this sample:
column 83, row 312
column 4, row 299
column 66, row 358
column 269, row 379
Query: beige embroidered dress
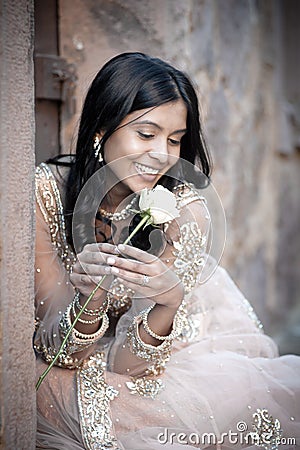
column 219, row 381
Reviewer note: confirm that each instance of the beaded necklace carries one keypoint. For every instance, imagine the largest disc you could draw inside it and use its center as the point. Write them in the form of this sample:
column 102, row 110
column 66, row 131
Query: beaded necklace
column 120, row 215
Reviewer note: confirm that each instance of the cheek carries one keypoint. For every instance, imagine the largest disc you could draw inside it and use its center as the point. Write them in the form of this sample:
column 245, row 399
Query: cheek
column 122, row 147
column 174, row 155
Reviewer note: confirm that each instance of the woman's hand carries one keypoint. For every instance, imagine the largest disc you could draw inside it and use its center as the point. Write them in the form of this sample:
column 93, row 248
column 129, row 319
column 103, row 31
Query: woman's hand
column 147, row 275
column 90, row 267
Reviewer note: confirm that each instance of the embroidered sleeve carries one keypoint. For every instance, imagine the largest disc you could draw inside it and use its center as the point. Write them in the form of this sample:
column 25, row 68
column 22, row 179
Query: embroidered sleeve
column 188, row 239
column 49, row 201
column 189, row 235
column 189, row 252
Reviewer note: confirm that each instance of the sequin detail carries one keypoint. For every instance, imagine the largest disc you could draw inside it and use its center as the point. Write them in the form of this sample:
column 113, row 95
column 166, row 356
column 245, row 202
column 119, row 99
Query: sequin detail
column 156, row 356
column 94, row 400
column 189, row 253
column 120, row 298
column 50, row 204
column 146, row 387
column 250, row 311
column 186, row 193
column 190, row 326
column 267, row 431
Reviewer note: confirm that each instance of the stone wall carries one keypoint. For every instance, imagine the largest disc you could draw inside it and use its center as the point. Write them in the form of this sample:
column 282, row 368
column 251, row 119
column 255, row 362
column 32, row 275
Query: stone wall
column 17, row 361
column 231, row 50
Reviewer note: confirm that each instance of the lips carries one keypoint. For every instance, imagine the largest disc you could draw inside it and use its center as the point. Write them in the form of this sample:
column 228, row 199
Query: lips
column 142, row 169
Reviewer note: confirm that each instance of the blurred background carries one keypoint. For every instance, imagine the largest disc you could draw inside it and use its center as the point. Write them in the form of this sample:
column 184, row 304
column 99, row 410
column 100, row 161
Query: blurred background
column 243, row 56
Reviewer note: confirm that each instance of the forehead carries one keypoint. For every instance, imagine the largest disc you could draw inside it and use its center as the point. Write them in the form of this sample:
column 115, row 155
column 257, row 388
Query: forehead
column 171, row 115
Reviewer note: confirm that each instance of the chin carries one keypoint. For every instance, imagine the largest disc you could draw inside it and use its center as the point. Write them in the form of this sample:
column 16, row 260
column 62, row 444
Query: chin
column 138, row 185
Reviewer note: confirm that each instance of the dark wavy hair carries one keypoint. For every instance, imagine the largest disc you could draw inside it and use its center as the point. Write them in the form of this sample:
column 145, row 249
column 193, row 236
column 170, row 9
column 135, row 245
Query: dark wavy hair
column 131, row 82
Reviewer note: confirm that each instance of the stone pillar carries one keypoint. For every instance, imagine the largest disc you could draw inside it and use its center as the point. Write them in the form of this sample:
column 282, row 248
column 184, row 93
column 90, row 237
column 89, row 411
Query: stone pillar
column 17, row 362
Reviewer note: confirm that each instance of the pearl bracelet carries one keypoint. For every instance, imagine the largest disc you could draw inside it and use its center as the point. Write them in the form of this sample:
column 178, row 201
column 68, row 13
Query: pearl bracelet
column 177, row 327
column 92, row 312
column 86, row 322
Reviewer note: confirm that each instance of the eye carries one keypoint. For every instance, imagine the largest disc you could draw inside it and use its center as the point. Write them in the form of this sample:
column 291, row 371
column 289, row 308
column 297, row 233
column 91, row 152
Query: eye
column 145, row 135
column 174, row 142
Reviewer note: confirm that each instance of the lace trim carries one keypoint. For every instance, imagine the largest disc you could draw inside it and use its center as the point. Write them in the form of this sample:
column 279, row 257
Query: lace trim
column 94, row 400
column 50, row 204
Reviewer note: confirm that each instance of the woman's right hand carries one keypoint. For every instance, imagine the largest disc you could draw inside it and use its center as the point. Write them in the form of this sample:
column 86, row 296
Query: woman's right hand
column 90, row 267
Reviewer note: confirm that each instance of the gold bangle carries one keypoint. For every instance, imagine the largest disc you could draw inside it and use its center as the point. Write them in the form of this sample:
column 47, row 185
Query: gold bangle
column 92, row 312
column 78, row 338
column 148, row 329
column 99, row 333
column 176, row 330
column 86, row 322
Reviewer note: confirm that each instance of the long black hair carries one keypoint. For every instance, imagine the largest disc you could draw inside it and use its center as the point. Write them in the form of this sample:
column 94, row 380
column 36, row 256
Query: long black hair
column 131, row 82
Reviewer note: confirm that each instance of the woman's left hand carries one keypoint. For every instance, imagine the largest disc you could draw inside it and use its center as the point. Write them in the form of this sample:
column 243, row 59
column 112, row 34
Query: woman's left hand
column 147, row 275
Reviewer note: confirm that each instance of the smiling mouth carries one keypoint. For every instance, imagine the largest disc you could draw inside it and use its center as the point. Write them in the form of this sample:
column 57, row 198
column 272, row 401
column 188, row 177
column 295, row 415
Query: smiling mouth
column 145, row 169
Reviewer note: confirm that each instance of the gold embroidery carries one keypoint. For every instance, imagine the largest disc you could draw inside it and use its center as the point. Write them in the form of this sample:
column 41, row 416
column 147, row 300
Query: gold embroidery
column 94, row 400
column 146, row 387
column 186, row 193
column 64, row 360
column 50, row 204
column 189, row 253
column 120, row 298
column 190, row 326
column 267, row 432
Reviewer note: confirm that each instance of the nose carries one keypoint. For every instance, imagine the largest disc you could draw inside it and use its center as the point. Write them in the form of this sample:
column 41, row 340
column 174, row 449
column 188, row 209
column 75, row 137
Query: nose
column 160, row 152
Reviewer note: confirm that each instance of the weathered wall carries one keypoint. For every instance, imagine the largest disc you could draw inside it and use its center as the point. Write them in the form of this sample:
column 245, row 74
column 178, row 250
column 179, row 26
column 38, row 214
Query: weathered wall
column 231, row 50
column 17, row 394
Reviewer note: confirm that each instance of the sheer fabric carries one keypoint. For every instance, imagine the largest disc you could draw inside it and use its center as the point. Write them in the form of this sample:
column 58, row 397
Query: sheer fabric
column 222, row 369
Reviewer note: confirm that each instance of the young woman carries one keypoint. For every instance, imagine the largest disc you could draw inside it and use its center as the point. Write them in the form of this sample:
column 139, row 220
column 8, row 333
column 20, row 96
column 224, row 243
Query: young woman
column 159, row 359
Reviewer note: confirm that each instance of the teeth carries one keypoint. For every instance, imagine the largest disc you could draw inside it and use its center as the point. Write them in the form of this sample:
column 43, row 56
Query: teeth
column 146, row 169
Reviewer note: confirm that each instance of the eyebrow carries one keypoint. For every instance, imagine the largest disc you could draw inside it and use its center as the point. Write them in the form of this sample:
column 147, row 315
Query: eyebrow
column 148, row 122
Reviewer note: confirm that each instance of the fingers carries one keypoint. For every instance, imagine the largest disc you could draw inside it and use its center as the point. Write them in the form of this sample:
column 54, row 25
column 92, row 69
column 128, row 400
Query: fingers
column 97, row 253
column 87, row 279
column 85, row 283
column 90, row 271
column 133, row 278
column 129, row 265
column 136, row 253
column 104, row 247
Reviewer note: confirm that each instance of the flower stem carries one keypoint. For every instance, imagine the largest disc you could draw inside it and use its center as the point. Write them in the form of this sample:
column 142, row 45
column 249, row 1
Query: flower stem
column 45, row 373
column 139, row 225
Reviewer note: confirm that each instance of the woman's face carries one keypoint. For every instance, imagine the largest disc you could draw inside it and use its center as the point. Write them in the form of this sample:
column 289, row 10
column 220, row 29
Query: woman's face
column 148, row 143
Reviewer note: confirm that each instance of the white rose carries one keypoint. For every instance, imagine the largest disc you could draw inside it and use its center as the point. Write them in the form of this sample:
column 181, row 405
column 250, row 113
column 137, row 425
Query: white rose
column 160, row 203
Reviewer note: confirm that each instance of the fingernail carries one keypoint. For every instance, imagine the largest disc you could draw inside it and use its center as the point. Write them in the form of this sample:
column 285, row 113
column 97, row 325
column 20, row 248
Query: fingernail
column 107, row 269
column 121, row 247
column 110, row 260
column 114, row 270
